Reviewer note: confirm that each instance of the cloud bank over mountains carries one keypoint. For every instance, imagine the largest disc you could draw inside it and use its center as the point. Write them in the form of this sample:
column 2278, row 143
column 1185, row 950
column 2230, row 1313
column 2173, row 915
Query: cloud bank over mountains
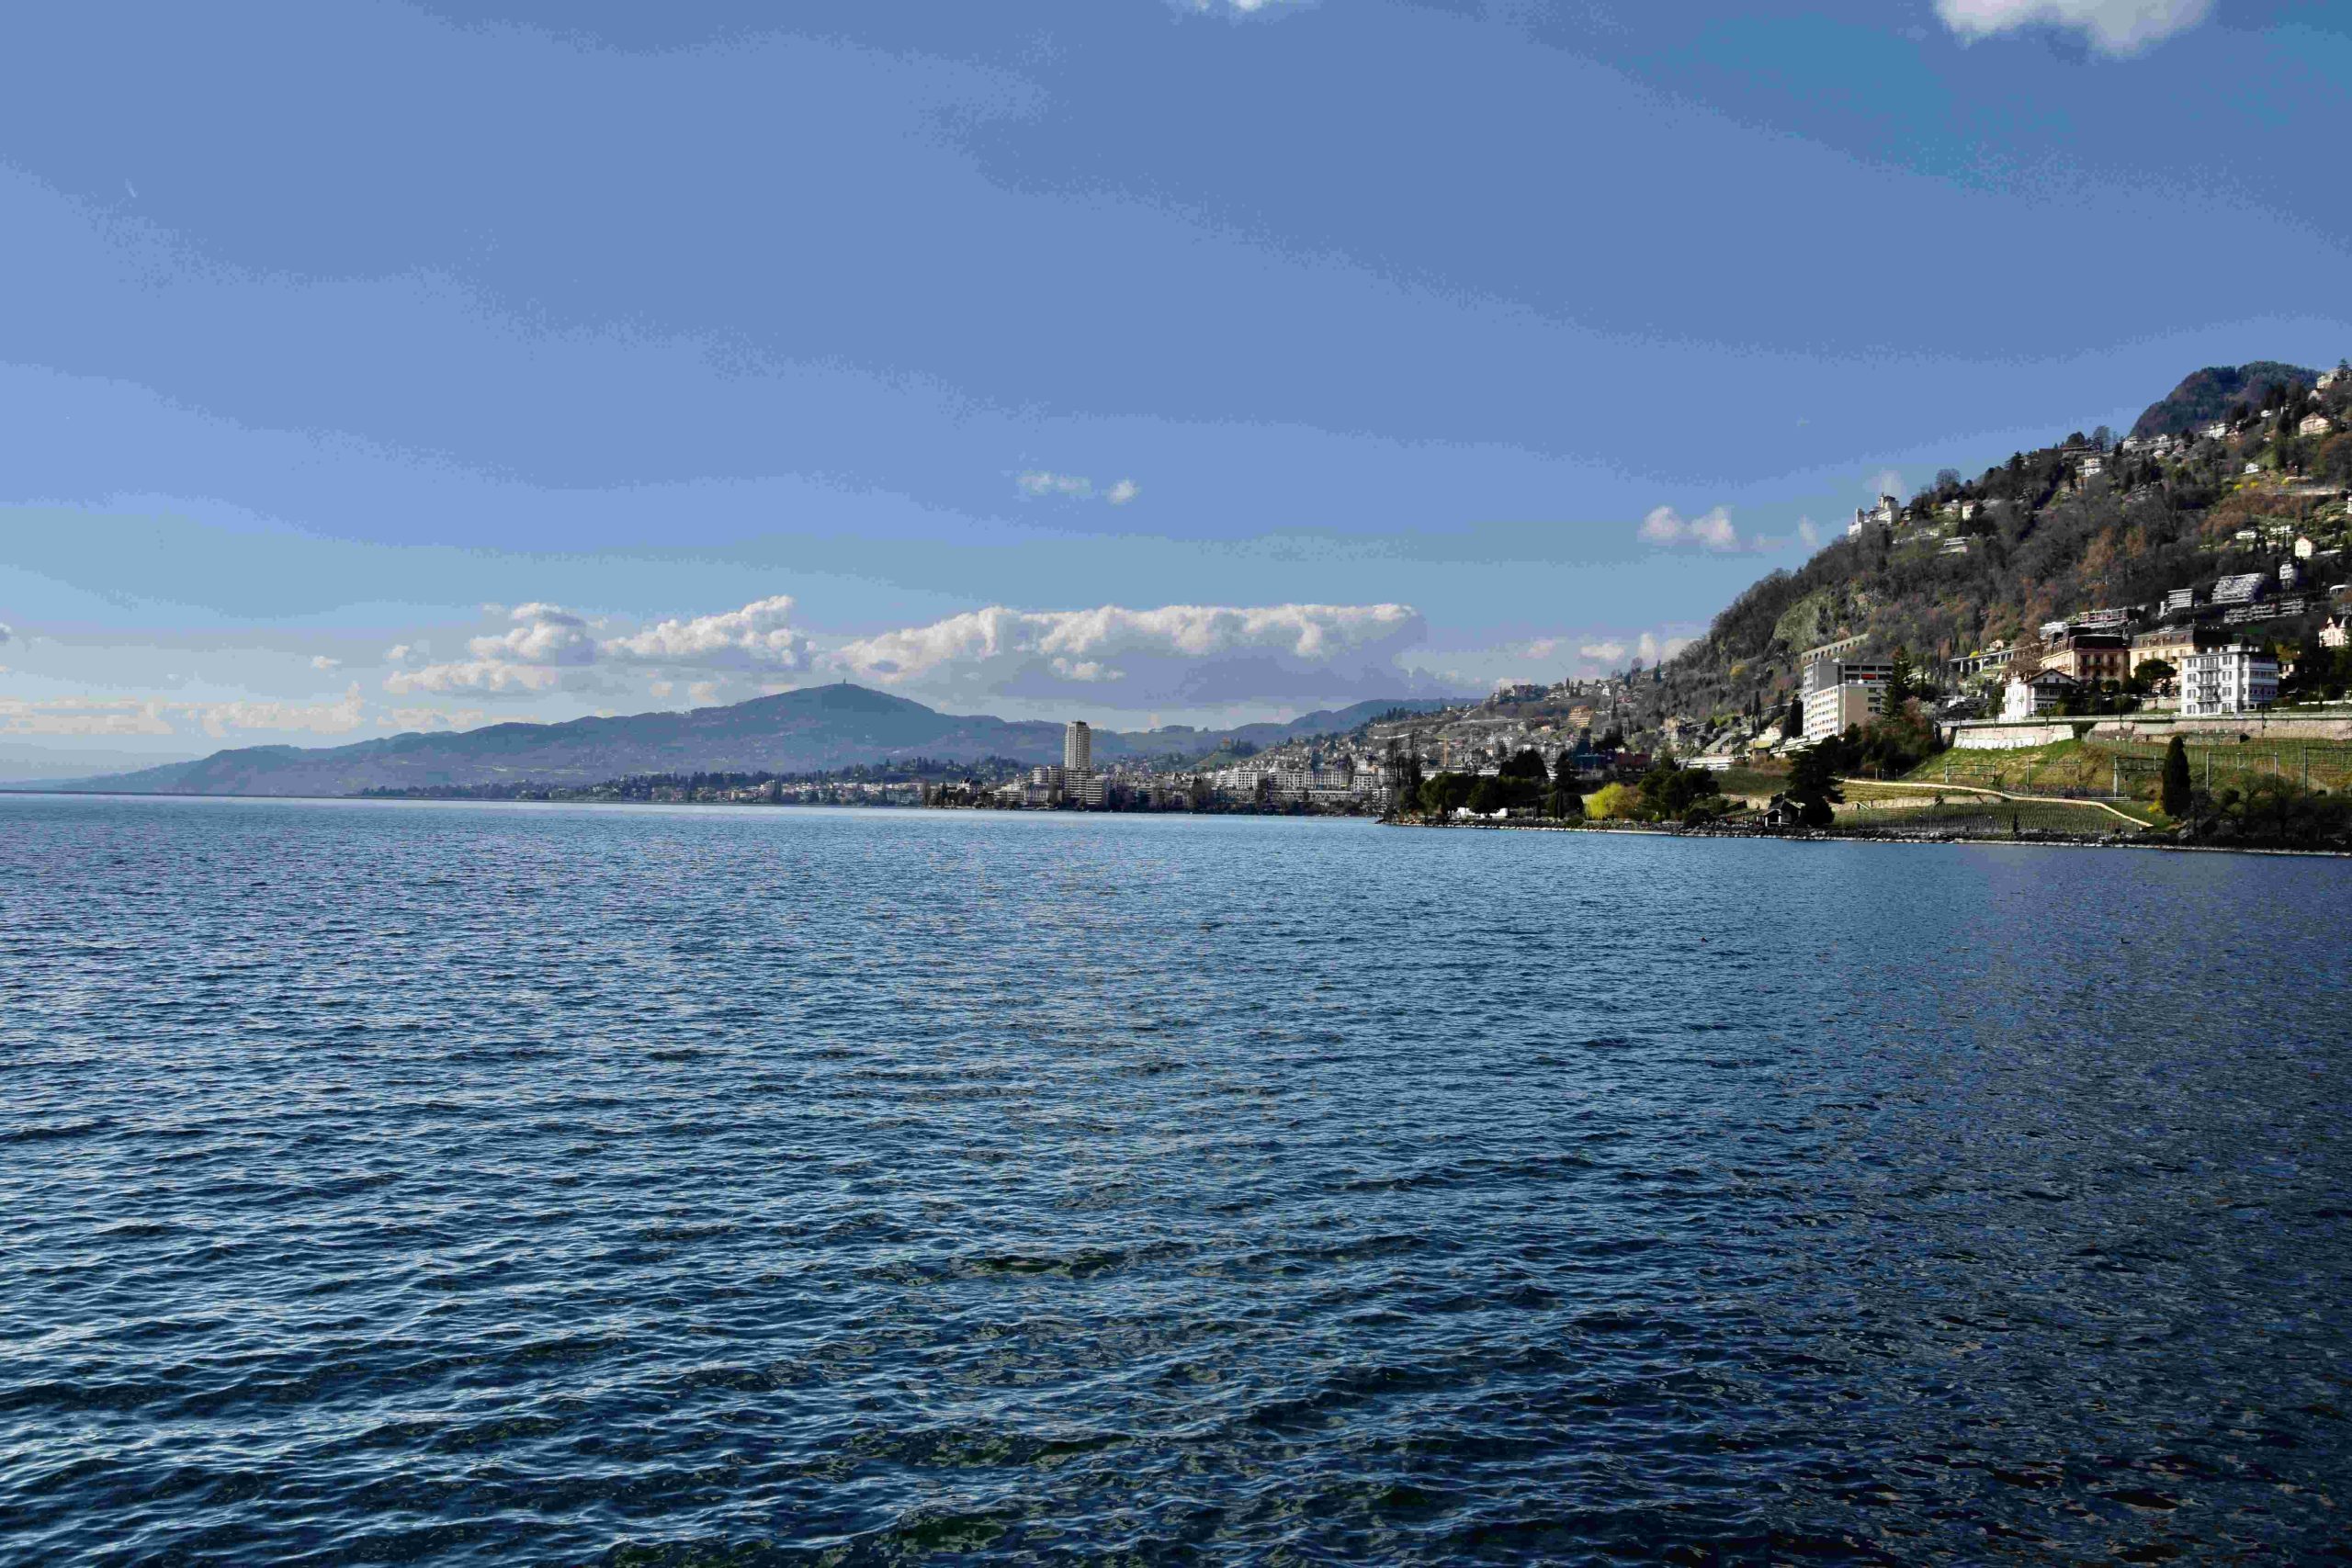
column 1109, row 656
column 2114, row 26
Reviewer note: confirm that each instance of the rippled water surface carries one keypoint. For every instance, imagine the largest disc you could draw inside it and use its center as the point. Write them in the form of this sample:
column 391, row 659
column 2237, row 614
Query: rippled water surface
column 492, row 1184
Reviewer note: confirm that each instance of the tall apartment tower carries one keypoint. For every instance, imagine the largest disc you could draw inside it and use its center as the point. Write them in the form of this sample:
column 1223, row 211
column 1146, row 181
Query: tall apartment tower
column 1078, row 748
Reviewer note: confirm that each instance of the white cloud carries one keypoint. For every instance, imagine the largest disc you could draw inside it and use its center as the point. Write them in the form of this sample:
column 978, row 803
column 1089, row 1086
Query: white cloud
column 1194, row 654
column 1886, row 481
column 548, row 647
column 1179, row 652
column 1040, row 482
column 1237, row 8
column 542, row 634
column 1074, row 487
column 1610, row 653
column 1712, row 529
column 83, row 715
column 2114, row 26
column 319, row 662
column 403, row 653
column 497, row 675
column 5, row 633
column 430, row 719
column 760, row 636
column 1808, row 534
column 153, row 716
column 219, row 720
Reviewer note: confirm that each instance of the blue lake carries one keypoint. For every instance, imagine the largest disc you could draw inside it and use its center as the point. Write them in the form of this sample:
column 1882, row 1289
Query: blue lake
column 492, row 1184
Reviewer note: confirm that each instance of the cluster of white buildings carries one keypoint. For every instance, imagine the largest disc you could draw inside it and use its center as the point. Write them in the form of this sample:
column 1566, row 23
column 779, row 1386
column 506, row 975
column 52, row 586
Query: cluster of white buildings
column 1074, row 782
column 2212, row 681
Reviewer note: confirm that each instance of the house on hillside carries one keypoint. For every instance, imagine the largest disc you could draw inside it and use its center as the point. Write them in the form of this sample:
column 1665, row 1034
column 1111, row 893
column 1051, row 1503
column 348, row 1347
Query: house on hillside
column 2042, row 692
column 2172, row 645
column 2337, row 633
column 2217, row 431
column 2090, row 657
column 1883, row 515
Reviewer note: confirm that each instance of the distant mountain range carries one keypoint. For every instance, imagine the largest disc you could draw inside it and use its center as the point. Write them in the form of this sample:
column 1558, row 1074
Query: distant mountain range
column 812, row 730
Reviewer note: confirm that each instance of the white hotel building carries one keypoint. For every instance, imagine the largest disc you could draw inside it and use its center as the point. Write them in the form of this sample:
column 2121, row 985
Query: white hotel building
column 2236, row 679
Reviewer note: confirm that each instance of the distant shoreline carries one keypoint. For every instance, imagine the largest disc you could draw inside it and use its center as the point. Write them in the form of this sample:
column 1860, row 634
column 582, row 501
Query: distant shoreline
column 2032, row 838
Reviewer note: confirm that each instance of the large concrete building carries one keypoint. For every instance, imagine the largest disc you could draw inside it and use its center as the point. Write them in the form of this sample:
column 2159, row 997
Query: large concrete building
column 2236, row 679
column 1078, row 748
column 1839, row 695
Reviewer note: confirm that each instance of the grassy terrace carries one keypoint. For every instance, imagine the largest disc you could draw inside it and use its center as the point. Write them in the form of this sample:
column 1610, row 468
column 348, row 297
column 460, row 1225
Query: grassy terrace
column 2106, row 769
column 1985, row 816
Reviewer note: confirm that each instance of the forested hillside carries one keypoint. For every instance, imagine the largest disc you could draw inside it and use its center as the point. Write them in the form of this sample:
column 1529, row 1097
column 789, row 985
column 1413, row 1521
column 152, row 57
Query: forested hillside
column 2089, row 522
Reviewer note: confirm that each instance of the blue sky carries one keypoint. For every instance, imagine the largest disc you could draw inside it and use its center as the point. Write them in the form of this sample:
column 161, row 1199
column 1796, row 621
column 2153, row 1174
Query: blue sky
column 373, row 366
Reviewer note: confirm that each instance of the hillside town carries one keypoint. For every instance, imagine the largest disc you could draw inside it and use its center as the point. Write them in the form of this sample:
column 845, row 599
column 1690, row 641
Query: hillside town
column 2253, row 624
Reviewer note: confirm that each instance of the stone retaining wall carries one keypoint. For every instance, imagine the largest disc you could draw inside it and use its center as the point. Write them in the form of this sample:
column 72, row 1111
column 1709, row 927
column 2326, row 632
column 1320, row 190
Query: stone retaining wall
column 1994, row 735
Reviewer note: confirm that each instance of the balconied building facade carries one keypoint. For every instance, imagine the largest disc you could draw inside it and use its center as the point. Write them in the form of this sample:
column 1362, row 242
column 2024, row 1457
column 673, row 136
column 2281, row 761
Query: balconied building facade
column 2236, row 679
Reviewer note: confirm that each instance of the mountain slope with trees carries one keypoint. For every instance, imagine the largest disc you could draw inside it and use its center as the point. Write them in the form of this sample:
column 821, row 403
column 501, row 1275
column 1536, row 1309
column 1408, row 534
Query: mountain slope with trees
column 2084, row 525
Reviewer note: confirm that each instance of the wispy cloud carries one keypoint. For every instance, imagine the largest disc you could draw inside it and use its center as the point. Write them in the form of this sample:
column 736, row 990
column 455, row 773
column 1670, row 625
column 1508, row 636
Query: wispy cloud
column 1649, row 648
column 1044, row 482
column 152, row 715
column 339, row 717
column 2113, row 26
column 423, row 718
column 1237, row 8
column 1711, row 530
column 321, row 663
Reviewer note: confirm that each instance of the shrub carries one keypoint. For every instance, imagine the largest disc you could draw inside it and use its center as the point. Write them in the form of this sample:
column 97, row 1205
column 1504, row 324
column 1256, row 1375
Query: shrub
column 1614, row 802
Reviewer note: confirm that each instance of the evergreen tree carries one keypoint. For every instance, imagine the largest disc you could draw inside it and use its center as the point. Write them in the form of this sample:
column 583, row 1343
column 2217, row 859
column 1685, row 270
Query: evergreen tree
column 2175, row 795
column 1902, row 686
column 1793, row 722
column 1813, row 784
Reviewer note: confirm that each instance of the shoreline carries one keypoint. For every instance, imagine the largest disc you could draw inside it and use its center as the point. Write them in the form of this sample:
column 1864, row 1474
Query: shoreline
column 2032, row 839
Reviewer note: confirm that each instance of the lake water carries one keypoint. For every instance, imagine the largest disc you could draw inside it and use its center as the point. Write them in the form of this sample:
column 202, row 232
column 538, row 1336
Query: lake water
column 494, row 1184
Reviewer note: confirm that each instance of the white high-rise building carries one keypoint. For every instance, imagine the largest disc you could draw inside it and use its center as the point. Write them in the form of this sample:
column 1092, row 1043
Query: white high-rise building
column 1839, row 695
column 1078, row 748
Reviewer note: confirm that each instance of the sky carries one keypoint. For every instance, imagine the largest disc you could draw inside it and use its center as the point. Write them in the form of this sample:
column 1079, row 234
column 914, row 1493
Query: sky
column 376, row 367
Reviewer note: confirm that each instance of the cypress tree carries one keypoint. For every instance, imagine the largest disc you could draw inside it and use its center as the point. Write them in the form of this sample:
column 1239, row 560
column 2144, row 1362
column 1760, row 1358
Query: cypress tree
column 2174, row 796
column 1901, row 682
